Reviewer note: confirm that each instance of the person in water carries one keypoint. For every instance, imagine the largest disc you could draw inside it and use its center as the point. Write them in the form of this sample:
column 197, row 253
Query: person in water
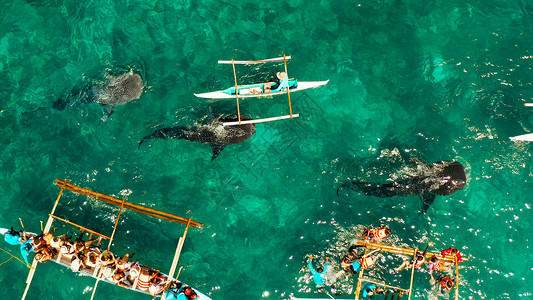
column 365, row 262
column 13, row 237
column 319, row 274
column 436, row 264
column 420, row 260
column 454, row 252
column 369, row 289
column 376, row 235
column 445, row 283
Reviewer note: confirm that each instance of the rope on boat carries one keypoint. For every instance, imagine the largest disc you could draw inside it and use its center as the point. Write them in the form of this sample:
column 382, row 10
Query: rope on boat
column 12, row 256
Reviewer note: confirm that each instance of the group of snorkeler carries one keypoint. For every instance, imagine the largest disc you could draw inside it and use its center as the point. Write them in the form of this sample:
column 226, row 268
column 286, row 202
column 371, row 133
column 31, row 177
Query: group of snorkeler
column 83, row 256
column 353, row 262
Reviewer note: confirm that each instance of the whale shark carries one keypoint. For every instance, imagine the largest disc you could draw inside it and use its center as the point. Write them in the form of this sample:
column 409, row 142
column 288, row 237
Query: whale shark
column 115, row 91
column 427, row 181
column 212, row 133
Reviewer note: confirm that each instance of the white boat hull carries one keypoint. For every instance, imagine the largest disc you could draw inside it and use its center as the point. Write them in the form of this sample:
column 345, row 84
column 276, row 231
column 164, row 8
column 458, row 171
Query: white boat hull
column 302, row 85
column 525, row 137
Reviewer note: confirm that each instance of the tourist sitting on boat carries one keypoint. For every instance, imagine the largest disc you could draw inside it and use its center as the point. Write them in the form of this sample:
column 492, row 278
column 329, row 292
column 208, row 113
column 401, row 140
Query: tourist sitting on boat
column 369, row 289
column 77, row 263
column 158, row 285
column 57, row 242
column 13, row 237
column 452, row 251
column 420, row 260
column 67, row 250
column 107, row 258
column 133, row 272
column 189, row 293
column 91, row 260
column 108, row 272
column 123, row 264
column 320, row 273
column 145, row 277
column 376, row 235
column 120, row 279
column 365, row 262
column 43, row 255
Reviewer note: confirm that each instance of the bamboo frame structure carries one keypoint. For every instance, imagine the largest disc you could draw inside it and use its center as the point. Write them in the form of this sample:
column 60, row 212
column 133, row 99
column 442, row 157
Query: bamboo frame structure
column 133, row 207
column 113, row 201
column 236, row 91
column 406, row 251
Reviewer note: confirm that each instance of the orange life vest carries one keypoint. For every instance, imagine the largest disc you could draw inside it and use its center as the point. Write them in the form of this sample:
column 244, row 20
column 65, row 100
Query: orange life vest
column 367, row 262
column 438, row 266
column 444, row 283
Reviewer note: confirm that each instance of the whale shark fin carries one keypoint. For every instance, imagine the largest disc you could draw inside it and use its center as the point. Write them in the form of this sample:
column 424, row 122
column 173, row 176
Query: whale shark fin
column 217, row 148
column 427, row 199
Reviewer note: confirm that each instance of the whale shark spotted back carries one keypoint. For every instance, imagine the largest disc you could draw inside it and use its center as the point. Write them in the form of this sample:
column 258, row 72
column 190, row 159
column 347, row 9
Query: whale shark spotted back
column 440, row 178
column 212, row 133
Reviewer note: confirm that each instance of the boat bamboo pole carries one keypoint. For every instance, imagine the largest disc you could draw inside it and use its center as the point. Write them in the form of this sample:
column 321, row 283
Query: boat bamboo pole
column 80, row 227
column 456, row 279
column 528, row 104
column 288, row 87
column 178, row 253
column 412, row 276
column 133, row 207
column 384, row 285
column 46, row 230
column 116, row 223
column 108, row 247
column 23, row 229
column 236, row 91
column 405, row 251
column 249, row 62
column 359, row 281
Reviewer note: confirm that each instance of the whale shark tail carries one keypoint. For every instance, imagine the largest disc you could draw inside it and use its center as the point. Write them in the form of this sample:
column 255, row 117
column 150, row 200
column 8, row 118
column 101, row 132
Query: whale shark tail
column 165, row 133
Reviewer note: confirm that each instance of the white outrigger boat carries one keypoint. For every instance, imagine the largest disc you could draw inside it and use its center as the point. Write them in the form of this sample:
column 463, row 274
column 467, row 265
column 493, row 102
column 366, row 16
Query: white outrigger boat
column 524, row 137
column 97, row 272
column 280, row 85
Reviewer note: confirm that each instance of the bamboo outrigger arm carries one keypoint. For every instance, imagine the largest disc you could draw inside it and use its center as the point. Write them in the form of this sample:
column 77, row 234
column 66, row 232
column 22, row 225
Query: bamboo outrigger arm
column 406, row 251
column 260, row 120
column 46, row 230
column 134, row 207
column 385, row 285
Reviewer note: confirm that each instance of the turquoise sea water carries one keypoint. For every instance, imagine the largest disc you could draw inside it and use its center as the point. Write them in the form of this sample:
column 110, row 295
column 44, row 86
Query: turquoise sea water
column 440, row 80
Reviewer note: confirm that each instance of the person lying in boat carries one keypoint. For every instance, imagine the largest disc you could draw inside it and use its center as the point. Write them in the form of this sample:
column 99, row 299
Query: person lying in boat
column 420, row 260
column 13, row 237
column 454, row 252
column 376, row 235
column 174, row 292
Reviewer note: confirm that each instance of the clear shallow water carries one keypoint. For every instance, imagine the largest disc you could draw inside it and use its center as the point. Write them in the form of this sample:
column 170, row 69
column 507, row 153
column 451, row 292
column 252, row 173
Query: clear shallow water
column 437, row 79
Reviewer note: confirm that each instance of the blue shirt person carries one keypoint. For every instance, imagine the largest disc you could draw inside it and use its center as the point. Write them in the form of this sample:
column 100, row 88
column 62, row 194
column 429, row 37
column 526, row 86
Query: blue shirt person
column 12, row 237
column 318, row 275
column 25, row 249
column 369, row 289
